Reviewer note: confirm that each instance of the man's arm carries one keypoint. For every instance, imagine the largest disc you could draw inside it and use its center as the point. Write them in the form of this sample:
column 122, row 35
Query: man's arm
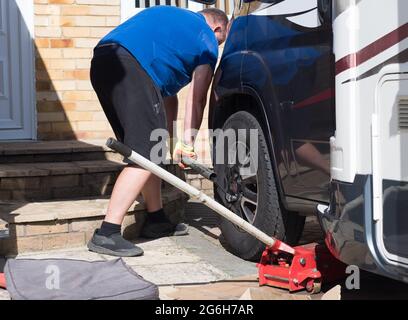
column 171, row 106
column 196, row 101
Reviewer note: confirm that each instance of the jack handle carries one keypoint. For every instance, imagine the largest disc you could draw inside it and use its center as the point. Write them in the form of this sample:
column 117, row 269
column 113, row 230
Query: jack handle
column 200, row 169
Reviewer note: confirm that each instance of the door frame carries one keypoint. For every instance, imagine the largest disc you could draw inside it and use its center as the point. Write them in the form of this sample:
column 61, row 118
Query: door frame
column 390, row 73
column 27, row 11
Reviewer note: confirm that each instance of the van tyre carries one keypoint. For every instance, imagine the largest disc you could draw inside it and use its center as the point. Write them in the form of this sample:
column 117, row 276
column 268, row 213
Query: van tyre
column 266, row 213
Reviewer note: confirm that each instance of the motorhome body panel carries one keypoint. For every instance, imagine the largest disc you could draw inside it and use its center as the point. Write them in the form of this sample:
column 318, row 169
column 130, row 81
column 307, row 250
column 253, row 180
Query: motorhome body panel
column 367, row 36
column 367, row 226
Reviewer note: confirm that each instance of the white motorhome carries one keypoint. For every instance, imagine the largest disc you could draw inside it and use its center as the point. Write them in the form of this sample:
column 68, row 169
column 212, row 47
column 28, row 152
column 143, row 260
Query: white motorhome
column 366, row 223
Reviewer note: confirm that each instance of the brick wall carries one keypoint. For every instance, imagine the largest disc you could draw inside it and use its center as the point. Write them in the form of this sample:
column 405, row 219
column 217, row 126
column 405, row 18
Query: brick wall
column 65, row 33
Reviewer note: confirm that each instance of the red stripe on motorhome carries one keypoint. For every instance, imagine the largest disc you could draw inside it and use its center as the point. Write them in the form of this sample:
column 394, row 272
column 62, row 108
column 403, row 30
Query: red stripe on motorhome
column 355, row 59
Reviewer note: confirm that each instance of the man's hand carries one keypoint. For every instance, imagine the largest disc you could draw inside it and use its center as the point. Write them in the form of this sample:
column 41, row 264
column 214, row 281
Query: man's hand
column 183, row 150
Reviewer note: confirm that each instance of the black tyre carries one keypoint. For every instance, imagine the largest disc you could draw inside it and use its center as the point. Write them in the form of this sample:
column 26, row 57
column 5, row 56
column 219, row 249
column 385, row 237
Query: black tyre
column 247, row 187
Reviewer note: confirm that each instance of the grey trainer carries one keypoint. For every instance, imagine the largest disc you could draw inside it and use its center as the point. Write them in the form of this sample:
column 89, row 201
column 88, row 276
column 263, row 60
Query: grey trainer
column 114, row 245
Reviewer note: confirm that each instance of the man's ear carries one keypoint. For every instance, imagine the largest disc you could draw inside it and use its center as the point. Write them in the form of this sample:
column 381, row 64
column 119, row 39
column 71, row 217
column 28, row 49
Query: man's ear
column 217, row 29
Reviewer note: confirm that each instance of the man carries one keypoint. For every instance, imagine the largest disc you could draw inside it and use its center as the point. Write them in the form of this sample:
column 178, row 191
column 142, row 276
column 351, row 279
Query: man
column 136, row 72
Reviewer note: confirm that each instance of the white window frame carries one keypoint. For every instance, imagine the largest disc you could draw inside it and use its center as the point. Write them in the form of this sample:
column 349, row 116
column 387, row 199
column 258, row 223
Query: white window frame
column 128, row 8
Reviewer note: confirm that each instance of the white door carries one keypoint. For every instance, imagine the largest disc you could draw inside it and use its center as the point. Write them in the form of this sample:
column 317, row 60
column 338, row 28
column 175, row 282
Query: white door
column 17, row 101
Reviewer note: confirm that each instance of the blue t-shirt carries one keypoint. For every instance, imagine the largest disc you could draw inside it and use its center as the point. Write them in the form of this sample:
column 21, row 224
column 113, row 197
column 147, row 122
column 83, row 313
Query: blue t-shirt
column 169, row 43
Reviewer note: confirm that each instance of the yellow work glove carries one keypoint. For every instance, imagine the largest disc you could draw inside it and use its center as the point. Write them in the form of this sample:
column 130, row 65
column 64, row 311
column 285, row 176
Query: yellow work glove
column 183, row 150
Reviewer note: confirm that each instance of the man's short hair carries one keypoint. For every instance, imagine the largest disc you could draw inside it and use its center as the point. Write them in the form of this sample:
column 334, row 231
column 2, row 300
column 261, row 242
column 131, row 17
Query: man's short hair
column 216, row 14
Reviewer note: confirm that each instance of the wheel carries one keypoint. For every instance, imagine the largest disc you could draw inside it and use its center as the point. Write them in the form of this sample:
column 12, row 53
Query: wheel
column 247, row 187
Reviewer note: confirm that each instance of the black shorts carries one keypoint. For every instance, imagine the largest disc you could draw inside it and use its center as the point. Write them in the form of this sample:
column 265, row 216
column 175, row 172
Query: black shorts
column 130, row 99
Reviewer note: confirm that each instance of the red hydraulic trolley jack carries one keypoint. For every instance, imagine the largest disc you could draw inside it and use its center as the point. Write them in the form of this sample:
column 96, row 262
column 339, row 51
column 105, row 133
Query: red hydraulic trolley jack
column 298, row 268
column 303, row 268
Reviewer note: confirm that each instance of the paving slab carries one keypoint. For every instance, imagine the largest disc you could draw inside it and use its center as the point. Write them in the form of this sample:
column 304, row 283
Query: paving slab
column 74, row 254
column 181, row 273
column 163, row 256
column 202, row 245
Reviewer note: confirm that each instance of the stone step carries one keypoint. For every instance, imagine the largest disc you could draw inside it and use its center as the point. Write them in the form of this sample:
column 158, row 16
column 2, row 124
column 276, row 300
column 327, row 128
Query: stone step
column 55, row 151
column 59, row 180
column 62, row 180
column 52, row 225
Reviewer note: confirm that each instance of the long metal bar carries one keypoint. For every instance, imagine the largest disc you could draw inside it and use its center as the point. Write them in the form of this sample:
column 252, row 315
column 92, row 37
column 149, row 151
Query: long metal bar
column 195, row 193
